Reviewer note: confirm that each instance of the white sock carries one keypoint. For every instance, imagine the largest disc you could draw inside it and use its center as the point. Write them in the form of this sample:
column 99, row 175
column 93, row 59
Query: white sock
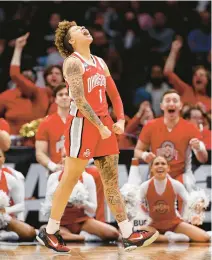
column 52, row 226
column 126, row 228
column 176, row 237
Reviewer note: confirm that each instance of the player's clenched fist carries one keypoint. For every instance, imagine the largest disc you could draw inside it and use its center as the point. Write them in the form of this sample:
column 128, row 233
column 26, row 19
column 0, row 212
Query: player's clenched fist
column 118, row 127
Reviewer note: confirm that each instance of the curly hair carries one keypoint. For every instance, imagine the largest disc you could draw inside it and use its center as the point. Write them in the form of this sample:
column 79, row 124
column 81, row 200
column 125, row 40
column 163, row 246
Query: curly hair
column 62, row 38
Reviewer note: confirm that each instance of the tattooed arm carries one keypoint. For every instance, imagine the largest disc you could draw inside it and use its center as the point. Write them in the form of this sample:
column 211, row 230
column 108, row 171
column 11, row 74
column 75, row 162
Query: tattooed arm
column 72, row 70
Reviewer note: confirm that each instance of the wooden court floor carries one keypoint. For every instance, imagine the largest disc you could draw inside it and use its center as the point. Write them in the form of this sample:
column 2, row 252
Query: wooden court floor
column 180, row 251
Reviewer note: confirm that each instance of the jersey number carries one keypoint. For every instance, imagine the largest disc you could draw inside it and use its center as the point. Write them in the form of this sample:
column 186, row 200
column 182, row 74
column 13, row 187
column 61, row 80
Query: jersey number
column 100, row 95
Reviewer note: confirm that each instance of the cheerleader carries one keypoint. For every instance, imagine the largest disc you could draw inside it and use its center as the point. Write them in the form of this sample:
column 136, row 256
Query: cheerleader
column 160, row 193
column 12, row 205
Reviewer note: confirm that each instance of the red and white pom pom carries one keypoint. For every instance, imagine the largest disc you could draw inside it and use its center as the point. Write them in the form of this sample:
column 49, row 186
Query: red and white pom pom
column 46, row 207
column 79, row 194
column 131, row 196
column 194, row 211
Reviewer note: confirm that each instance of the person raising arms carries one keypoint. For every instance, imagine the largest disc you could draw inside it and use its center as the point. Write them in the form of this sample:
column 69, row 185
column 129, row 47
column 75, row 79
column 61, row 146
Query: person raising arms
column 195, row 94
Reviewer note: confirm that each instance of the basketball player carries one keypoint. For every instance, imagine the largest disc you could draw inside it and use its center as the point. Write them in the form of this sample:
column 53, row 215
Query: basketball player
column 160, row 193
column 13, row 187
column 172, row 137
column 90, row 134
column 77, row 218
column 5, row 141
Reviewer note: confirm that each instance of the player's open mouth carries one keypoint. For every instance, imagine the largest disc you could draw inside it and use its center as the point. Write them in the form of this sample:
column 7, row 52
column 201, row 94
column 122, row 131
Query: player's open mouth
column 85, row 32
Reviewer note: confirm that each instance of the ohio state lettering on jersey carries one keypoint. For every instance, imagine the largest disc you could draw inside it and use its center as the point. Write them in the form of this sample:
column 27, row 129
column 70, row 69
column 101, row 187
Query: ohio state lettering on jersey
column 94, row 82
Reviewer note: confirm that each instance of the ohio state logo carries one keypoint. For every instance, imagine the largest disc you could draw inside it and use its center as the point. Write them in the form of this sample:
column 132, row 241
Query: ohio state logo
column 161, row 207
column 96, row 80
column 87, row 153
column 168, row 151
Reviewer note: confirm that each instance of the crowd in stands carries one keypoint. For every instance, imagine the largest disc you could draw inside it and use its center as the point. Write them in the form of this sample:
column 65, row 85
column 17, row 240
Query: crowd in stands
column 148, row 47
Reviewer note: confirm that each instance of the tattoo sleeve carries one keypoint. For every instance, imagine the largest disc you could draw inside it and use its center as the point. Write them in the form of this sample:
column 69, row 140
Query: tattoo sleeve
column 73, row 75
column 108, row 167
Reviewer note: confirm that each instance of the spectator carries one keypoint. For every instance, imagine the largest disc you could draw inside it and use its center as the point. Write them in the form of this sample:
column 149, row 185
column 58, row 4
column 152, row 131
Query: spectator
column 95, row 14
column 53, row 57
column 200, row 80
column 112, row 22
column 114, row 64
column 162, row 35
column 199, row 39
column 141, row 96
column 185, row 109
column 27, row 101
column 47, row 37
column 50, row 140
column 155, row 87
column 100, row 42
column 196, row 116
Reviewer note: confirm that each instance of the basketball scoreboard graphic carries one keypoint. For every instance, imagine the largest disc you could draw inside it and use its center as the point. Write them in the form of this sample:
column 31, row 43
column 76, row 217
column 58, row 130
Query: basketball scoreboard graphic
column 36, row 180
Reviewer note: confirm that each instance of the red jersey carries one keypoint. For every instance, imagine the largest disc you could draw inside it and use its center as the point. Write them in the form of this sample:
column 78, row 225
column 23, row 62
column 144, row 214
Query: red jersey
column 173, row 145
column 4, row 125
column 94, row 82
column 51, row 130
column 162, row 207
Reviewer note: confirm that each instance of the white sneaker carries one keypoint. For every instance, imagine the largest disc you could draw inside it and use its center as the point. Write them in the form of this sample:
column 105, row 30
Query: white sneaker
column 90, row 237
column 8, row 236
column 176, row 237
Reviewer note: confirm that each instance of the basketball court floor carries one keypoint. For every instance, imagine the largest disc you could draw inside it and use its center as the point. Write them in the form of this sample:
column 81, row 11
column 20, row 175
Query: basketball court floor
column 94, row 251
